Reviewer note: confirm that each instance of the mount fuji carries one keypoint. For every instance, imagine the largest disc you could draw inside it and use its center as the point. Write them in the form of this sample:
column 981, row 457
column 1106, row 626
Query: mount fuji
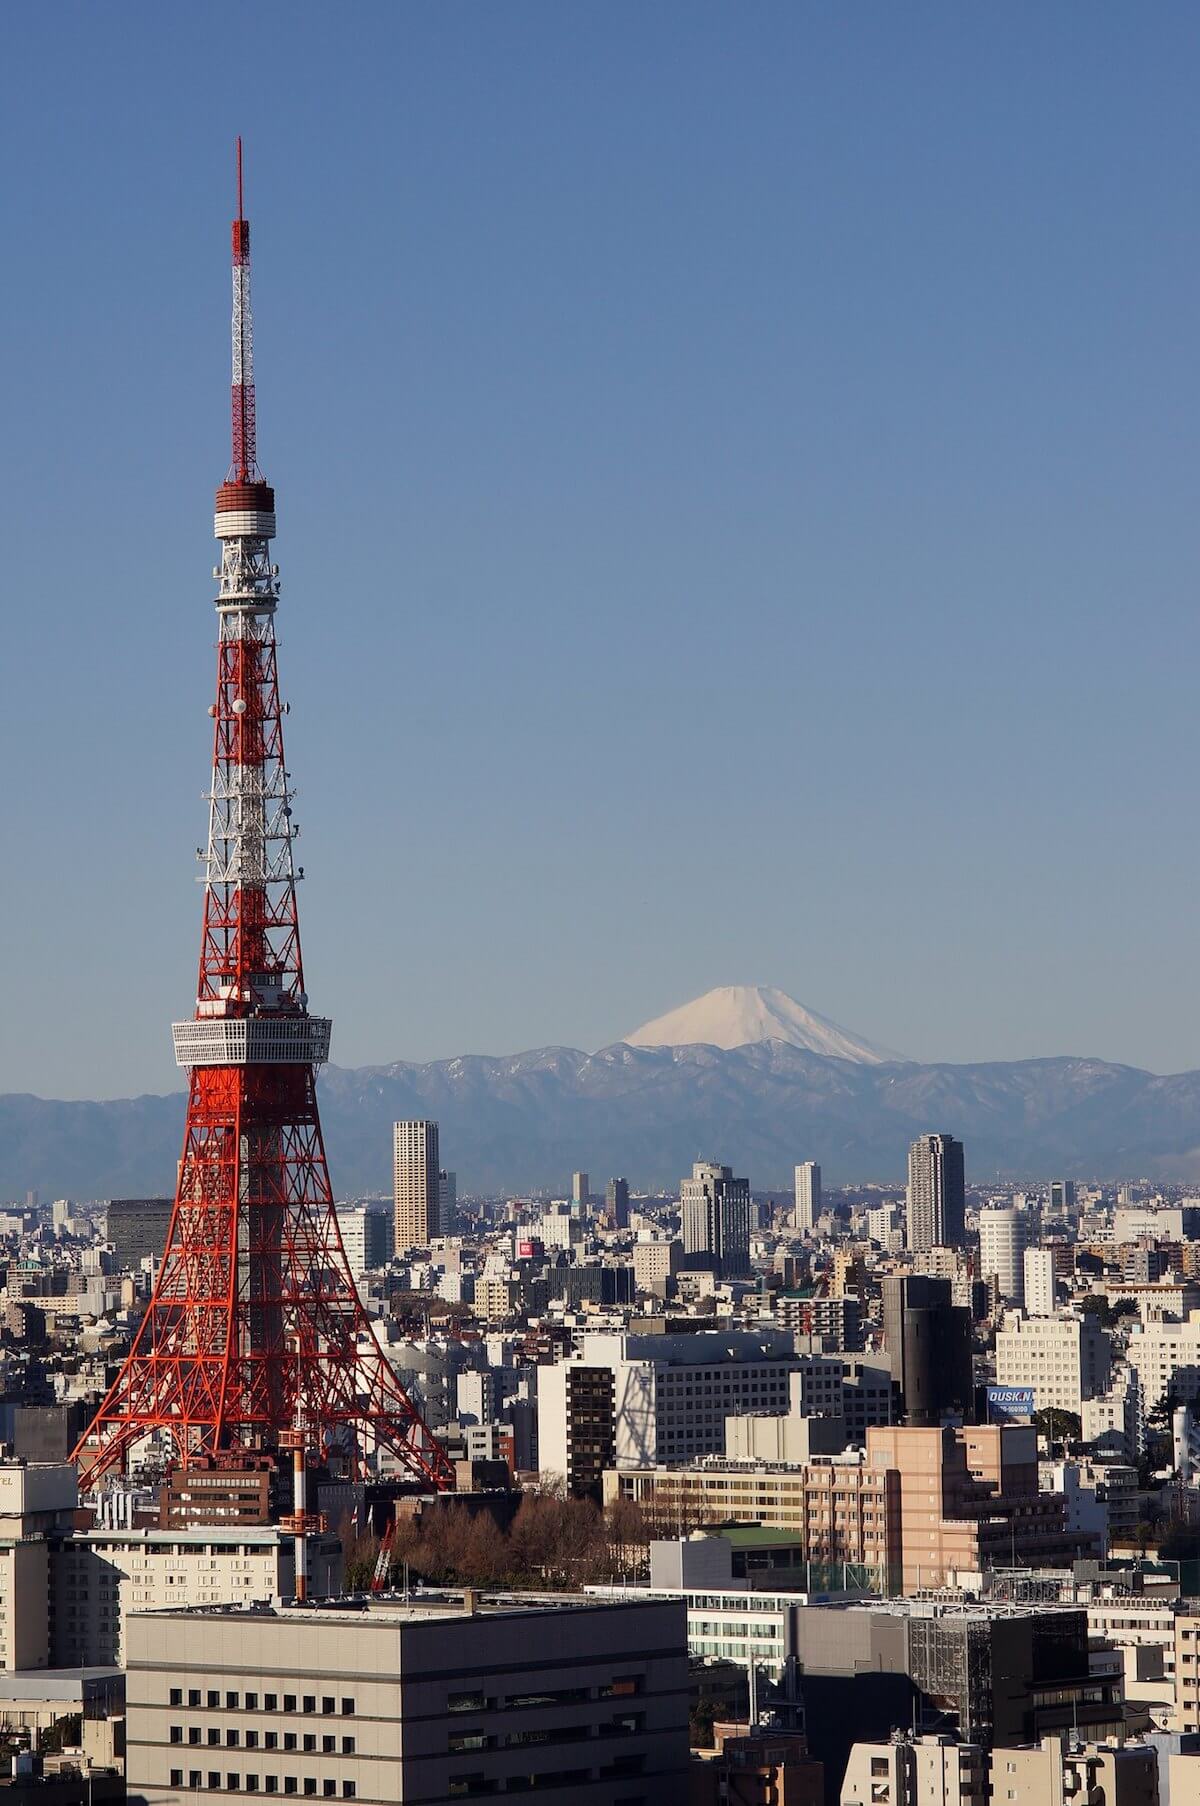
column 740, row 1015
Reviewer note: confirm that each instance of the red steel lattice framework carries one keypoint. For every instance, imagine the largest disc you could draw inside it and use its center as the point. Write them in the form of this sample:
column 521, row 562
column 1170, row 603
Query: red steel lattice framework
column 255, row 1325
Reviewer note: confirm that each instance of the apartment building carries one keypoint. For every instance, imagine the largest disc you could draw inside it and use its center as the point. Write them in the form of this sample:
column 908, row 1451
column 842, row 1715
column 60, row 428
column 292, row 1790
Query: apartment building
column 387, row 1702
column 576, row 1423
column 922, row 1771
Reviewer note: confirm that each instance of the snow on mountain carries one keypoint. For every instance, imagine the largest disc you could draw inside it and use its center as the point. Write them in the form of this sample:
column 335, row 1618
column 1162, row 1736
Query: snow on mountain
column 737, row 1015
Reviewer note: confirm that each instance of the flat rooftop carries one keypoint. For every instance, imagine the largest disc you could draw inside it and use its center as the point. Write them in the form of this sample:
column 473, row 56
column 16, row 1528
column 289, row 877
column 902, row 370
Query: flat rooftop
column 394, row 1609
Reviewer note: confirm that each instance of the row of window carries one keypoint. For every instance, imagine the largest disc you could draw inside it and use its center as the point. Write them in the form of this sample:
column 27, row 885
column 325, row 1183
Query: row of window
column 236, row 1739
column 249, row 1702
column 234, row 1783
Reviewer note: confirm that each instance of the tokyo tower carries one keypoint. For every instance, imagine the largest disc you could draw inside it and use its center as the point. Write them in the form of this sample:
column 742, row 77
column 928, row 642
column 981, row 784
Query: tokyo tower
column 255, row 1332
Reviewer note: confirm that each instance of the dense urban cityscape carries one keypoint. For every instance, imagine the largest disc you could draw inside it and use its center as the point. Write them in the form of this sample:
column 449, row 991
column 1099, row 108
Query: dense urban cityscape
column 719, row 1493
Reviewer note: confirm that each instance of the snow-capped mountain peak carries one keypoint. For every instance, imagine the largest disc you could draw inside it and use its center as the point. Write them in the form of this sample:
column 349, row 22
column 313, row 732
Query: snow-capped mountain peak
column 735, row 1015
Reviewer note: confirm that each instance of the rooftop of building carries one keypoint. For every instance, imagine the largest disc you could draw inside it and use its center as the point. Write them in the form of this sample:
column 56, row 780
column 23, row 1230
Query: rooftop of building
column 385, row 1610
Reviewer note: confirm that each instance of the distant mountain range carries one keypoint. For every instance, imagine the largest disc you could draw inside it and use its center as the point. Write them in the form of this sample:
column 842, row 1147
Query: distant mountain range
column 527, row 1120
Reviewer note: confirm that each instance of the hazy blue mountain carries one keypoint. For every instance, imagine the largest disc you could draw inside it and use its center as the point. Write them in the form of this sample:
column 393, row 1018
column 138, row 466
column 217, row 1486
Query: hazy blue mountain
column 526, row 1120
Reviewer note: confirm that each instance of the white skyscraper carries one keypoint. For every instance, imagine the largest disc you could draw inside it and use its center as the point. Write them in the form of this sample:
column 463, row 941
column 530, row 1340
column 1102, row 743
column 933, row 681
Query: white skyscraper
column 808, row 1196
column 1003, row 1237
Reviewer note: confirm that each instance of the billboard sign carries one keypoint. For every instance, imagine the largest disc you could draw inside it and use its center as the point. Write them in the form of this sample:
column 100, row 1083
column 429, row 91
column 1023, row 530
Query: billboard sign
column 1005, row 1402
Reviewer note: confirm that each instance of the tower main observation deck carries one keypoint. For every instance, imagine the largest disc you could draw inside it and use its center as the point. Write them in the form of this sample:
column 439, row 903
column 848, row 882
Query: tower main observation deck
column 255, row 1331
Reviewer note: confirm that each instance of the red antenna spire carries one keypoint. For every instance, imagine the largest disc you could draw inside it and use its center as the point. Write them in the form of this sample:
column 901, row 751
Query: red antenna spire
column 244, row 467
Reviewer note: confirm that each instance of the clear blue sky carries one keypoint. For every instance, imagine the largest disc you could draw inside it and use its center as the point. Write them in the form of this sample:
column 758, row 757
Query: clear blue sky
column 737, row 475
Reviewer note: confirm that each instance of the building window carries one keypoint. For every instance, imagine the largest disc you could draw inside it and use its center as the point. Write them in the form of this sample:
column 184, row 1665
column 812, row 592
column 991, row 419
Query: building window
column 271, row 1740
column 193, row 1777
column 231, row 1702
column 251, row 1740
column 348, row 1790
column 176, row 1696
column 289, row 1702
column 289, row 1740
column 347, row 1708
column 310, row 1742
column 214, row 1736
column 193, row 1696
column 310, row 1702
column 233, row 1781
column 289, row 1784
column 251, row 1783
column 310, row 1785
column 176, row 1777
column 176, row 1733
column 194, row 1733
column 270, row 1702
column 252, row 1702
column 329, row 1746
column 271, row 1783
column 347, row 1746
column 214, row 1699
column 328, row 1703
column 329, row 1788
column 231, row 1739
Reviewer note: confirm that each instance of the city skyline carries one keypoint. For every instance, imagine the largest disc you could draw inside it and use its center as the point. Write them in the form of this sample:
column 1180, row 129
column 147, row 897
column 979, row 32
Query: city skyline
column 839, row 371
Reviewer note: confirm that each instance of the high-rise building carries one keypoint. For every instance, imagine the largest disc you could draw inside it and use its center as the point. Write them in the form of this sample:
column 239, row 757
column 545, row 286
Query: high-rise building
column 447, row 1202
column 137, row 1227
column 808, row 1196
column 616, row 1202
column 1003, row 1238
column 1038, row 1264
column 415, row 1176
column 365, row 1236
column 580, row 1188
column 1062, row 1196
column 928, row 1342
column 937, row 1199
column 715, row 1208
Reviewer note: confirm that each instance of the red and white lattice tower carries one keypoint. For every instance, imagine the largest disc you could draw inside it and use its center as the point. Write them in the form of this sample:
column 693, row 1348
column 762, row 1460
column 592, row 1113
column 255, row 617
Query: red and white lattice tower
column 255, row 1323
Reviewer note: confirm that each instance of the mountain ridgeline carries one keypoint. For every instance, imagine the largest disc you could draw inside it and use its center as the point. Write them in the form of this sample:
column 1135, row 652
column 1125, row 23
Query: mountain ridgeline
column 521, row 1121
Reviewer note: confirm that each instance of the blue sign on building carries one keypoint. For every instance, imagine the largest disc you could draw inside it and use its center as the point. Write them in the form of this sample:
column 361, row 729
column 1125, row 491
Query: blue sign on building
column 1009, row 1401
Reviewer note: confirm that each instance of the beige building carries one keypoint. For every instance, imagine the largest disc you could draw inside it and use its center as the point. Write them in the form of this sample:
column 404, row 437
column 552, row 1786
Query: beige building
column 655, row 1261
column 36, row 1501
column 923, row 1771
column 100, row 1576
column 1064, row 1359
column 385, row 1702
column 921, row 1507
column 415, row 1181
column 1108, row 1774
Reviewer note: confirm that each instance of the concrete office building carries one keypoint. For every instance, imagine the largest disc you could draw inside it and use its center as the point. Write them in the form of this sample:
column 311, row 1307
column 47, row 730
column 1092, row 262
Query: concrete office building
column 366, row 1236
column 389, row 1702
column 715, row 1212
column 937, row 1197
column 1039, row 1282
column 808, row 1197
column 1003, row 1239
column 137, row 1228
column 672, row 1393
column 581, row 1189
column 1064, row 1359
column 928, row 1341
column 655, row 1260
column 99, row 1576
column 1167, row 1358
column 576, row 1423
column 415, row 1176
column 37, row 1503
column 616, row 1202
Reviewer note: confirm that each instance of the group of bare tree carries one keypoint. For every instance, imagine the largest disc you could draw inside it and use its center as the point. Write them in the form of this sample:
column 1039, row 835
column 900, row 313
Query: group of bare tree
column 555, row 1542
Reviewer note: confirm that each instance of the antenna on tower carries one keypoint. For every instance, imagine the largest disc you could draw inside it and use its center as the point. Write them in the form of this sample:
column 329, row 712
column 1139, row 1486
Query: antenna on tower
column 244, row 467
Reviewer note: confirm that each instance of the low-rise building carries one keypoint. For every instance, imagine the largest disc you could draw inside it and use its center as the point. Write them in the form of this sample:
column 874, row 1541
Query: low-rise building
column 388, row 1702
